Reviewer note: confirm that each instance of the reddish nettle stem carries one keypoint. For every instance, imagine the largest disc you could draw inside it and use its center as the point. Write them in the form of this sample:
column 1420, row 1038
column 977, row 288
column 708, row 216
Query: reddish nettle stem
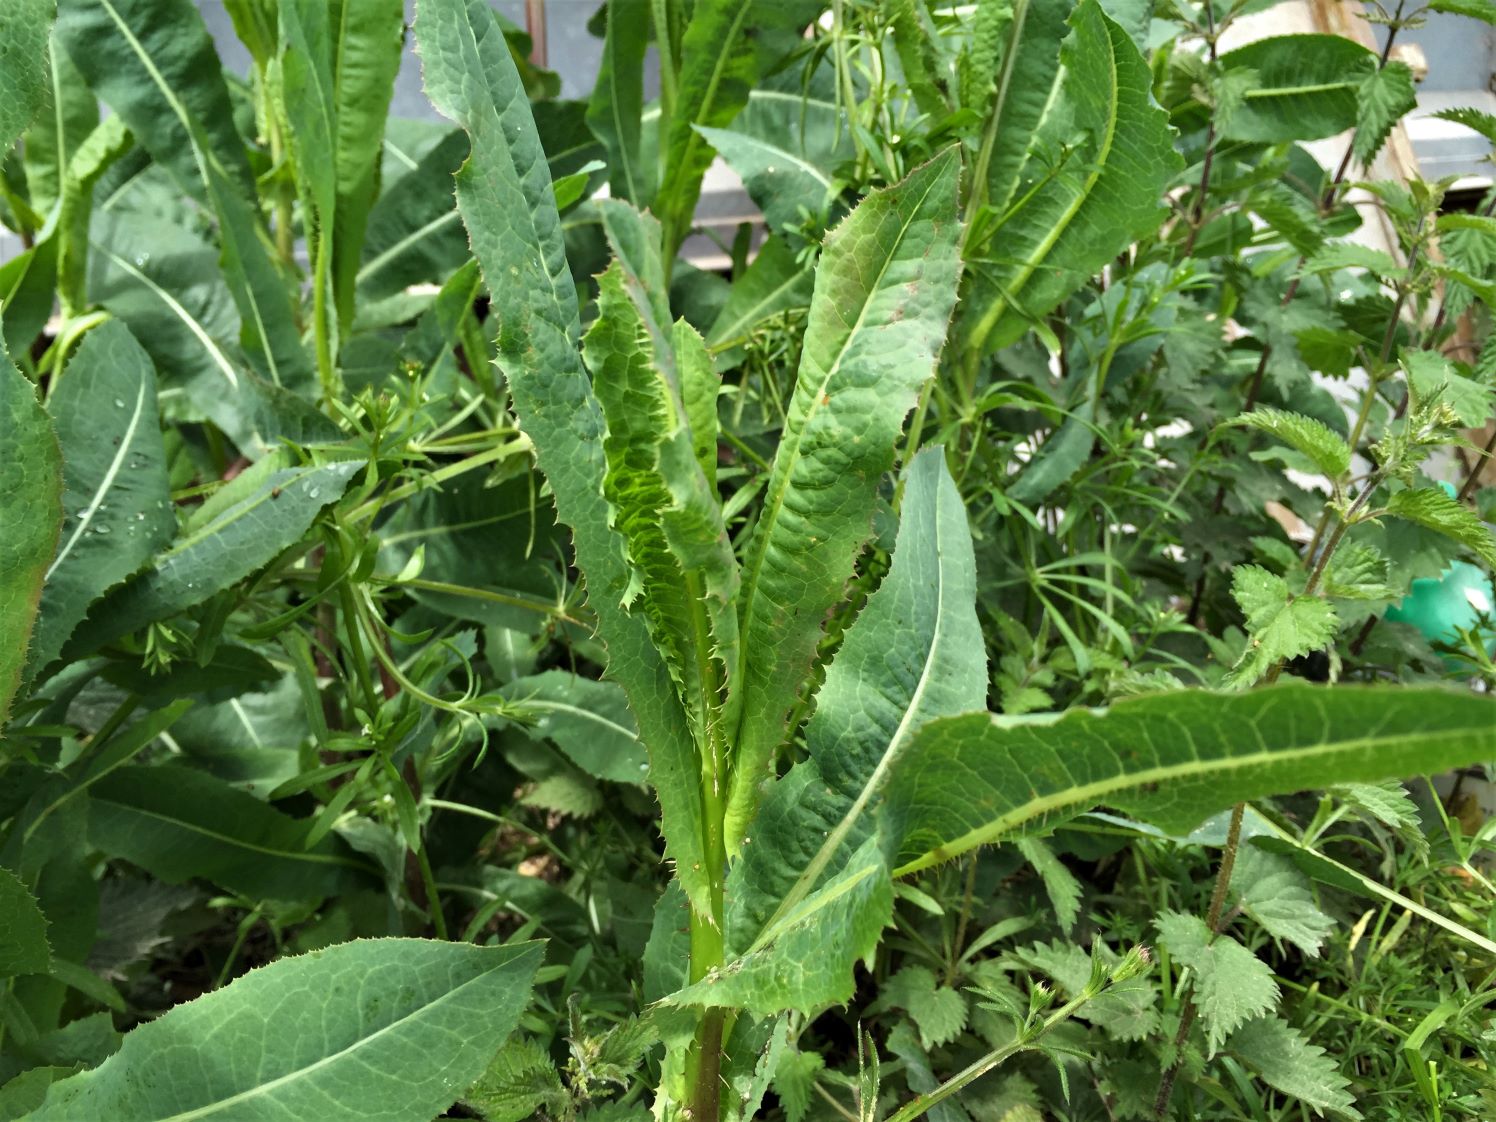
column 1213, row 921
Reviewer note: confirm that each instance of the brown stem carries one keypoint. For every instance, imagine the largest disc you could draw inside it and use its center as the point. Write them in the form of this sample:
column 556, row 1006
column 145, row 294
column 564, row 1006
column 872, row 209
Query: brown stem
column 1212, row 921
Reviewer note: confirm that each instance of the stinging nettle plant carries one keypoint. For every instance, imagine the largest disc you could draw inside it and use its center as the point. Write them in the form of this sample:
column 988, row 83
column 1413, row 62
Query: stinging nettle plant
column 811, row 685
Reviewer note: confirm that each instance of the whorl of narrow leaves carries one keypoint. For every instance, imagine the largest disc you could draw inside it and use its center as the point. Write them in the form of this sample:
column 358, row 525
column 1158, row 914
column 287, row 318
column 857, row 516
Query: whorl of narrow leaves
column 883, row 297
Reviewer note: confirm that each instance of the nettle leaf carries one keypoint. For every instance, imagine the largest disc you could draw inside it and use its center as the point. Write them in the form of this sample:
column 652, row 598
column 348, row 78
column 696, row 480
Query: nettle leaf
column 1286, row 1060
column 31, row 506
column 1280, row 624
column 1328, row 452
column 116, row 500
column 915, row 653
column 1474, row 119
column 376, row 1028
column 1091, row 155
column 1475, row 9
column 1358, row 572
column 883, row 297
column 1273, row 892
column 1432, row 376
column 23, row 930
column 1307, row 88
column 1232, row 985
column 1385, row 96
column 1128, row 1011
column 794, row 1081
column 504, row 194
column 938, row 1011
column 1352, row 255
column 1061, row 885
column 1172, row 759
column 1431, row 507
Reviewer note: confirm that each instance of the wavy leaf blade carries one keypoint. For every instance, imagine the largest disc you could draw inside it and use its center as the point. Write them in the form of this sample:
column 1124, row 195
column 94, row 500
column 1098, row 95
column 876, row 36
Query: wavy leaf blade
column 883, row 298
column 1172, row 759
column 116, row 497
column 373, row 1029
column 31, row 503
column 660, row 504
column 504, row 194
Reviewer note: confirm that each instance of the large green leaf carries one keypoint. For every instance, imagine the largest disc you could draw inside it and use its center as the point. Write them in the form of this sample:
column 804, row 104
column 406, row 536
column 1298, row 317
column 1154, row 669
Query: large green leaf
column 116, row 499
column 1090, row 182
column 154, row 64
column 786, row 147
column 369, row 36
column 812, row 863
column 1172, row 759
column 727, row 45
column 167, row 285
column 179, row 824
column 23, row 67
column 589, row 721
column 379, row 1030
column 883, row 297
column 617, row 104
column 225, row 542
column 504, row 193
column 31, row 509
column 1305, row 87
column 51, row 141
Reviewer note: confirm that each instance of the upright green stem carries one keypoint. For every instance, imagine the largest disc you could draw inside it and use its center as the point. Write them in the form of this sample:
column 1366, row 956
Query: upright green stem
column 322, row 313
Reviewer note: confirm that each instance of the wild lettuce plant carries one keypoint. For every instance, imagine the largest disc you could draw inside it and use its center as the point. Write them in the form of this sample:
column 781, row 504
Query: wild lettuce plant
column 270, row 469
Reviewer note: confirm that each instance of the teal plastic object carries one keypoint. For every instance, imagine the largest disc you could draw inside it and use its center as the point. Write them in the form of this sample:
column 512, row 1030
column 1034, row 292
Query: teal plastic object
column 1440, row 608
